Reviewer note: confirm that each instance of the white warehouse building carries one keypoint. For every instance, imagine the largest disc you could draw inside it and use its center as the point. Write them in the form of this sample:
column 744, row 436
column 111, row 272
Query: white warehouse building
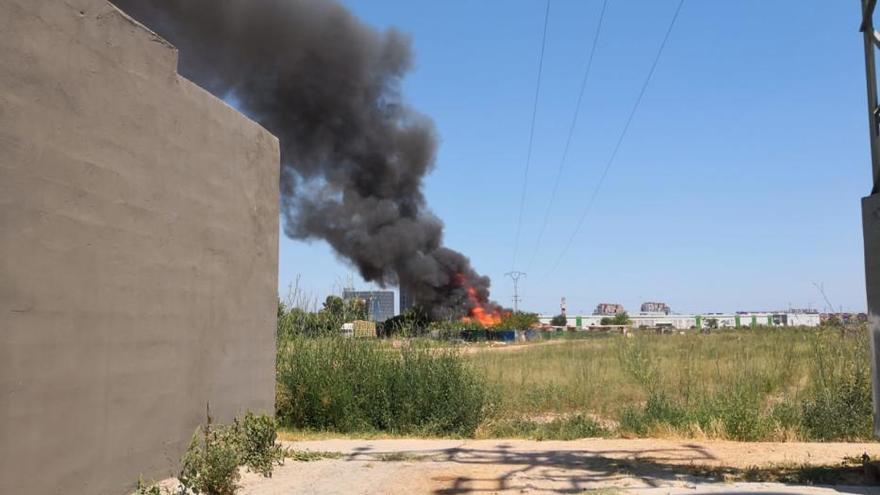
column 707, row 320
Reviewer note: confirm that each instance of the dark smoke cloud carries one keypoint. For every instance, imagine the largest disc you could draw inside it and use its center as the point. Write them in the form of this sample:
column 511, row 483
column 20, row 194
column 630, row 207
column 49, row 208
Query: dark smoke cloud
column 354, row 156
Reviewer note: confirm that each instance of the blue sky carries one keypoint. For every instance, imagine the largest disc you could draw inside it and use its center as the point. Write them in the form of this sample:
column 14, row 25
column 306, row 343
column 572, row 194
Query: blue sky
column 737, row 186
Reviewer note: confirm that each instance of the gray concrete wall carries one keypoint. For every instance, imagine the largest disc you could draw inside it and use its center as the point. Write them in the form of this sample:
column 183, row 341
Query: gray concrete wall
column 871, row 230
column 138, row 252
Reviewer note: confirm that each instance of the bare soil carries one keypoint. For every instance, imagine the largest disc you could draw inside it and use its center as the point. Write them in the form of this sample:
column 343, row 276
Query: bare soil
column 607, row 466
column 503, row 347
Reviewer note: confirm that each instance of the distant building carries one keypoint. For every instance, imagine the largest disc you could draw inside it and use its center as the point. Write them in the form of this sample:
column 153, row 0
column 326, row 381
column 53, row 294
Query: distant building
column 655, row 308
column 379, row 303
column 608, row 309
column 359, row 329
column 695, row 321
column 407, row 299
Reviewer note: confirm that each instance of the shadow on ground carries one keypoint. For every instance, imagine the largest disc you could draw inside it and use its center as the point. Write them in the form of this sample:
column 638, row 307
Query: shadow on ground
column 503, row 469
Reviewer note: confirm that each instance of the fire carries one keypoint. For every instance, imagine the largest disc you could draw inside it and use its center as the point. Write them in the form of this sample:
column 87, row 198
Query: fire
column 479, row 314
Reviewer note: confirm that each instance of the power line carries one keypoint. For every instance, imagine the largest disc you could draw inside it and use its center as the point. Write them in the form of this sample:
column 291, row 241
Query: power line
column 522, row 201
column 571, row 128
column 620, row 139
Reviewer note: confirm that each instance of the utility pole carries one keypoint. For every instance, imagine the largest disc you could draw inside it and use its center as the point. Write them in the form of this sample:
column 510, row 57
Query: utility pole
column 871, row 204
column 515, row 275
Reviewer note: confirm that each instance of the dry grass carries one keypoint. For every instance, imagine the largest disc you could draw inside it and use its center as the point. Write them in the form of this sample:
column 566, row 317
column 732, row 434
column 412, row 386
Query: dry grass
column 764, row 384
column 744, row 385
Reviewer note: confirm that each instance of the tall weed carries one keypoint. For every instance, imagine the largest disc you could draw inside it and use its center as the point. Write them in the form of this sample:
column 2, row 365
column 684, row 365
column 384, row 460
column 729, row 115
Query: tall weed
column 838, row 401
column 352, row 385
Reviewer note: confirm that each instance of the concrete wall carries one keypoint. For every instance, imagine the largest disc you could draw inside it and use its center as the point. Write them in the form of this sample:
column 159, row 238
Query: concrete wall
column 871, row 230
column 138, row 252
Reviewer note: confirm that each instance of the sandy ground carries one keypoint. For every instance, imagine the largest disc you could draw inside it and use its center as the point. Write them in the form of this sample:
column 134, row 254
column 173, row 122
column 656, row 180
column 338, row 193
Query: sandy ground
column 521, row 466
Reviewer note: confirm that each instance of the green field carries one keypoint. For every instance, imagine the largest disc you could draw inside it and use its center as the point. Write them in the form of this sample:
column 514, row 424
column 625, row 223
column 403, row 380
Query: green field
column 762, row 384
column 756, row 384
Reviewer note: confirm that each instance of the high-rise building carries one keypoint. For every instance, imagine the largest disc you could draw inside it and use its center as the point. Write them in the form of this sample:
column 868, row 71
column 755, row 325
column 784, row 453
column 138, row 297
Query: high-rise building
column 407, row 299
column 379, row 303
column 608, row 309
column 655, row 307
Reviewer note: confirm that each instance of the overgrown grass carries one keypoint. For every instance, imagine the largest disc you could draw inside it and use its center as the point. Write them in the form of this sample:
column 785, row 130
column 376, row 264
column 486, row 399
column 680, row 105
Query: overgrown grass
column 761, row 384
column 350, row 385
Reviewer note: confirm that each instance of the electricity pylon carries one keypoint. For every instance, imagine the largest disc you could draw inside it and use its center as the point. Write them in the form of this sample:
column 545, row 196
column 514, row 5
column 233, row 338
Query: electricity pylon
column 515, row 276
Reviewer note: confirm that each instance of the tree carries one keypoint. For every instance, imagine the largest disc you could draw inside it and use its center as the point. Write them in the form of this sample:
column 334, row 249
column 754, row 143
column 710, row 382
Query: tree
column 559, row 321
column 334, row 305
column 621, row 319
column 355, row 309
column 519, row 321
column 618, row 319
column 411, row 323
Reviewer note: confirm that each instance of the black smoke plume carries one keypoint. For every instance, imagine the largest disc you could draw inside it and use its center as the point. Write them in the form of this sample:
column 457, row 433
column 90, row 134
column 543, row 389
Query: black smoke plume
column 354, row 155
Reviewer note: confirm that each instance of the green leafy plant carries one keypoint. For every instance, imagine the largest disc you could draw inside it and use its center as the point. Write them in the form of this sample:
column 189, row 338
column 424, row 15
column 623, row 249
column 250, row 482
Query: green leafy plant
column 559, row 321
column 519, row 321
column 256, row 440
column 210, row 465
column 144, row 488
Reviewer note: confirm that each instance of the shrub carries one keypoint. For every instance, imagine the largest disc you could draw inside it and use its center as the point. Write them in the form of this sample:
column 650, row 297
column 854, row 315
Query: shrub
column 841, row 412
column 353, row 385
column 257, row 447
column 786, row 415
column 210, row 464
column 838, row 403
column 840, row 416
column 739, row 411
column 148, row 489
column 559, row 321
column 658, row 410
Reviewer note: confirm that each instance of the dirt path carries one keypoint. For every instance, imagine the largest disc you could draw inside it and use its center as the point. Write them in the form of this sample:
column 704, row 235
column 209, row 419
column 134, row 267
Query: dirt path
column 522, row 466
column 513, row 347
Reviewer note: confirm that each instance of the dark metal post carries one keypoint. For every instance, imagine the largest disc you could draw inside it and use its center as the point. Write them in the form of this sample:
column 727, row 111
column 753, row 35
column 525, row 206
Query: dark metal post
column 870, row 39
column 871, row 206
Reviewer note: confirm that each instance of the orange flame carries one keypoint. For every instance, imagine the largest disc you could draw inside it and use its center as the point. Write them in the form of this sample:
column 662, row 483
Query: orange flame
column 479, row 314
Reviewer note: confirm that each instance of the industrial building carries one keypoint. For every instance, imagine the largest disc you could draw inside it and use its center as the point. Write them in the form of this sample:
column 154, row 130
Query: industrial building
column 407, row 299
column 706, row 320
column 379, row 303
